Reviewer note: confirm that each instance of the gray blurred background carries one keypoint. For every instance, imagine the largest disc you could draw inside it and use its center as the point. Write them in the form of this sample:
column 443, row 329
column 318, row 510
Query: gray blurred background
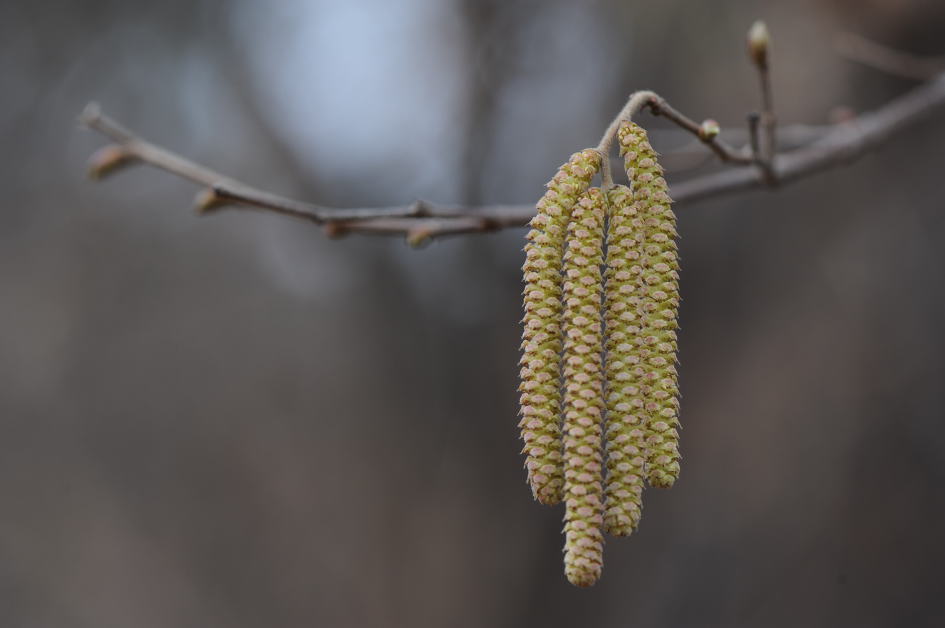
column 233, row 421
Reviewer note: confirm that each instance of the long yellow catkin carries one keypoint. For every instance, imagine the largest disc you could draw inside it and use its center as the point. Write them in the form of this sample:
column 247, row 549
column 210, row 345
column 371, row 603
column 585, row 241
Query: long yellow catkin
column 658, row 271
column 542, row 335
column 583, row 391
column 626, row 418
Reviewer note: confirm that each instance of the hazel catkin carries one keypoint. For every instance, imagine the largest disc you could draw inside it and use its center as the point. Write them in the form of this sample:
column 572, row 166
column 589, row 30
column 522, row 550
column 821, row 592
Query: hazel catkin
column 542, row 335
column 583, row 391
column 626, row 418
column 608, row 326
column 658, row 291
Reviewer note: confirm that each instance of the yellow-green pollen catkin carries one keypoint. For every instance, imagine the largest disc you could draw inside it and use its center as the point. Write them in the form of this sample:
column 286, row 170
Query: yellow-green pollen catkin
column 658, row 290
column 542, row 335
column 626, row 418
column 583, row 391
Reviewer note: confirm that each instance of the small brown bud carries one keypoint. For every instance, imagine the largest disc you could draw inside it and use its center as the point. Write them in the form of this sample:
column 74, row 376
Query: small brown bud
column 419, row 237
column 334, row 230
column 108, row 159
column 207, row 201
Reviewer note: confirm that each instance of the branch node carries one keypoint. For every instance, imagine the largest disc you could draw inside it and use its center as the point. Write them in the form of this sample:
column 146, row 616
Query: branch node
column 420, row 209
column 490, row 224
column 754, row 118
column 418, row 237
column 841, row 114
column 335, row 230
column 208, row 201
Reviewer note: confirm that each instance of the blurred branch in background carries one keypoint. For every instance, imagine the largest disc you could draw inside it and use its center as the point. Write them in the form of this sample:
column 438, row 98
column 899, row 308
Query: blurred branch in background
column 758, row 163
column 885, row 59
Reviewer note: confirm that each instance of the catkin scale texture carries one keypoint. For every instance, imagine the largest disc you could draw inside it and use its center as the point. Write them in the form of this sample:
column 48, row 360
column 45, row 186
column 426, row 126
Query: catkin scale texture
column 658, row 281
column 626, row 414
column 542, row 337
column 583, row 391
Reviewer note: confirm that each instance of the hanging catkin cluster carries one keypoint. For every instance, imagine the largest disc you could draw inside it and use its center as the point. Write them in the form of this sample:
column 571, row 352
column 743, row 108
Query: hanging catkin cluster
column 599, row 394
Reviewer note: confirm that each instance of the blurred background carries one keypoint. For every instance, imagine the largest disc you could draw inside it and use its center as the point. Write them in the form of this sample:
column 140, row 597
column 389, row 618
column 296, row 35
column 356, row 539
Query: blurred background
column 233, row 421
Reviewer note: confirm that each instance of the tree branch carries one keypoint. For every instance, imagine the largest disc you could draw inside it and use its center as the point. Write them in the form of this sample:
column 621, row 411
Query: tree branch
column 716, row 144
column 842, row 145
column 422, row 220
column 885, row 59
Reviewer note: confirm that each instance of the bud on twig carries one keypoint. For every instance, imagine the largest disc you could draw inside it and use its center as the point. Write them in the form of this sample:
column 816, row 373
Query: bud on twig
column 334, row 230
column 108, row 159
column 419, row 237
column 758, row 43
column 207, row 200
column 708, row 129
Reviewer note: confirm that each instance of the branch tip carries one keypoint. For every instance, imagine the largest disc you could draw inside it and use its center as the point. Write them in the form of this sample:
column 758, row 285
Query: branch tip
column 758, row 42
column 90, row 114
column 420, row 209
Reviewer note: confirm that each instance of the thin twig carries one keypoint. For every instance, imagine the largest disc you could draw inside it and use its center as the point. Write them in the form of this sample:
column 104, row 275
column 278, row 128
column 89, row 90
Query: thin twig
column 840, row 145
column 659, row 107
column 224, row 192
column 716, row 144
column 769, row 121
column 843, row 145
column 885, row 59
column 793, row 135
column 764, row 151
column 691, row 154
column 225, row 188
column 754, row 143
